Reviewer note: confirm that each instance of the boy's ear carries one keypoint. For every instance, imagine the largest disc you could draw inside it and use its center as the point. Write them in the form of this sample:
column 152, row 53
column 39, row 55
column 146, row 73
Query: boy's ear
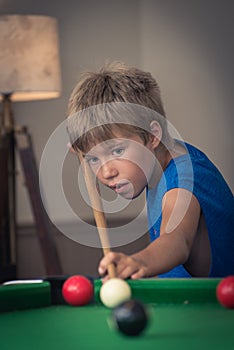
column 71, row 149
column 156, row 133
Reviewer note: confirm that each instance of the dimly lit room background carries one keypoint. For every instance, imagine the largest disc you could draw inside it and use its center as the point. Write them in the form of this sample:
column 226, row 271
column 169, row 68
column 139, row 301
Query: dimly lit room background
column 187, row 45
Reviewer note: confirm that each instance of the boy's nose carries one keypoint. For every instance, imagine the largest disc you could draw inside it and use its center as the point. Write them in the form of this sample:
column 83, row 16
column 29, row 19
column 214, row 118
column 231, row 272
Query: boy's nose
column 108, row 170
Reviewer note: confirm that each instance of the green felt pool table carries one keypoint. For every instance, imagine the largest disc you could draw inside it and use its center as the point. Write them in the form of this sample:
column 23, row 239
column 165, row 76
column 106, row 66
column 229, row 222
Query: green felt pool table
column 184, row 314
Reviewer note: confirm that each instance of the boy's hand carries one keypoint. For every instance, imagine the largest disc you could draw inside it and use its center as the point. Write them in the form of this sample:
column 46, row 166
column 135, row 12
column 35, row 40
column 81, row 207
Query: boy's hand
column 126, row 266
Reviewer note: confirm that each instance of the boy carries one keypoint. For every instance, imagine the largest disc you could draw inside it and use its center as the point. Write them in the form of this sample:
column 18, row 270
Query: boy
column 117, row 120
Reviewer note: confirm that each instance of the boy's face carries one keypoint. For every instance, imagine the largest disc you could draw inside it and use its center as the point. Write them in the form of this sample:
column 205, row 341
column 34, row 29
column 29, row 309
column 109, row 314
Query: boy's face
column 125, row 165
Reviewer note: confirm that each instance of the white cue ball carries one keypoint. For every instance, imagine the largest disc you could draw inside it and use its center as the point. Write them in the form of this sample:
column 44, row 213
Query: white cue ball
column 114, row 292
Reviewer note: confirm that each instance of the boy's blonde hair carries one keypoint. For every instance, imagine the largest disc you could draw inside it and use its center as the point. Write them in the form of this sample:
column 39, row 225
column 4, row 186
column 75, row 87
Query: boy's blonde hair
column 115, row 97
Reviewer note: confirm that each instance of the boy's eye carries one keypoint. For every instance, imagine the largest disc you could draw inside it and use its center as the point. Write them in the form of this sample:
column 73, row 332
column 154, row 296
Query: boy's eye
column 92, row 160
column 118, row 151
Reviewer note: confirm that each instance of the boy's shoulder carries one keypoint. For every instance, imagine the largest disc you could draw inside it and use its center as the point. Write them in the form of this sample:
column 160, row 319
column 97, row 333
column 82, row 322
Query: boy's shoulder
column 192, row 152
column 193, row 171
column 192, row 161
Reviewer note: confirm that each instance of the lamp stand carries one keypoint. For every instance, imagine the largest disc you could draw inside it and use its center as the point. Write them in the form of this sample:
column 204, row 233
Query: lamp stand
column 17, row 138
column 7, row 191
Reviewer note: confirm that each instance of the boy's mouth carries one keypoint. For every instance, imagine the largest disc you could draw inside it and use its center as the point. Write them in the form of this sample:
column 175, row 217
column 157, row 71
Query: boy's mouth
column 120, row 186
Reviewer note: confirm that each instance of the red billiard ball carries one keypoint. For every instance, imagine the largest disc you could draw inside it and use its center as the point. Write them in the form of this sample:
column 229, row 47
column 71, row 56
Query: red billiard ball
column 225, row 292
column 77, row 290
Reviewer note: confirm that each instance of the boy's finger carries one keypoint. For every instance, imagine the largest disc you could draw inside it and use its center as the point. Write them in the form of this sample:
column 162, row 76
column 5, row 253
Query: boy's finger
column 101, row 270
column 110, row 258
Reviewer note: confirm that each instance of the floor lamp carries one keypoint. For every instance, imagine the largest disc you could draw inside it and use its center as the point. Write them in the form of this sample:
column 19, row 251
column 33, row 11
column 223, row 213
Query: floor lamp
column 29, row 66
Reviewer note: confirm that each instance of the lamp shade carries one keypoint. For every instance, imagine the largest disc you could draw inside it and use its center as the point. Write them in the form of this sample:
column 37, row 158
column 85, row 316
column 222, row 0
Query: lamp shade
column 29, row 57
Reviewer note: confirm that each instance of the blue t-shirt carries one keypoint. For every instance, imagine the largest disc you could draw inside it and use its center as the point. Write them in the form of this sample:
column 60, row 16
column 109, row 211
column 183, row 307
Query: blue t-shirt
column 196, row 173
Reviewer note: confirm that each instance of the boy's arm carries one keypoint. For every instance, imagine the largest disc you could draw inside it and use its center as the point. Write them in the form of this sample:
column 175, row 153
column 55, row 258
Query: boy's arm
column 180, row 218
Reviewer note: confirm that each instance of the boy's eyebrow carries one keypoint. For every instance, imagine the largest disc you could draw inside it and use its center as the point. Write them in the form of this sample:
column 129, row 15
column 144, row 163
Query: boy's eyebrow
column 117, row 141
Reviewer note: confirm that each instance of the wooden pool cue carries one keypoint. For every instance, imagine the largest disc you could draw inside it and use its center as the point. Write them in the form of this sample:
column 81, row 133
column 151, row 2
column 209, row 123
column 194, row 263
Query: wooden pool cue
column 99, row 216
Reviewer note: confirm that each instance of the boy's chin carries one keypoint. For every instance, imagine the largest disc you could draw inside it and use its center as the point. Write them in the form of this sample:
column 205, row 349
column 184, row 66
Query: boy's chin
column 130, row 196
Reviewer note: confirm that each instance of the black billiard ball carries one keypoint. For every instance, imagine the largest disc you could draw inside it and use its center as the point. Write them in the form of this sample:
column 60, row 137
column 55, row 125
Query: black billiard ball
column 130, row 317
